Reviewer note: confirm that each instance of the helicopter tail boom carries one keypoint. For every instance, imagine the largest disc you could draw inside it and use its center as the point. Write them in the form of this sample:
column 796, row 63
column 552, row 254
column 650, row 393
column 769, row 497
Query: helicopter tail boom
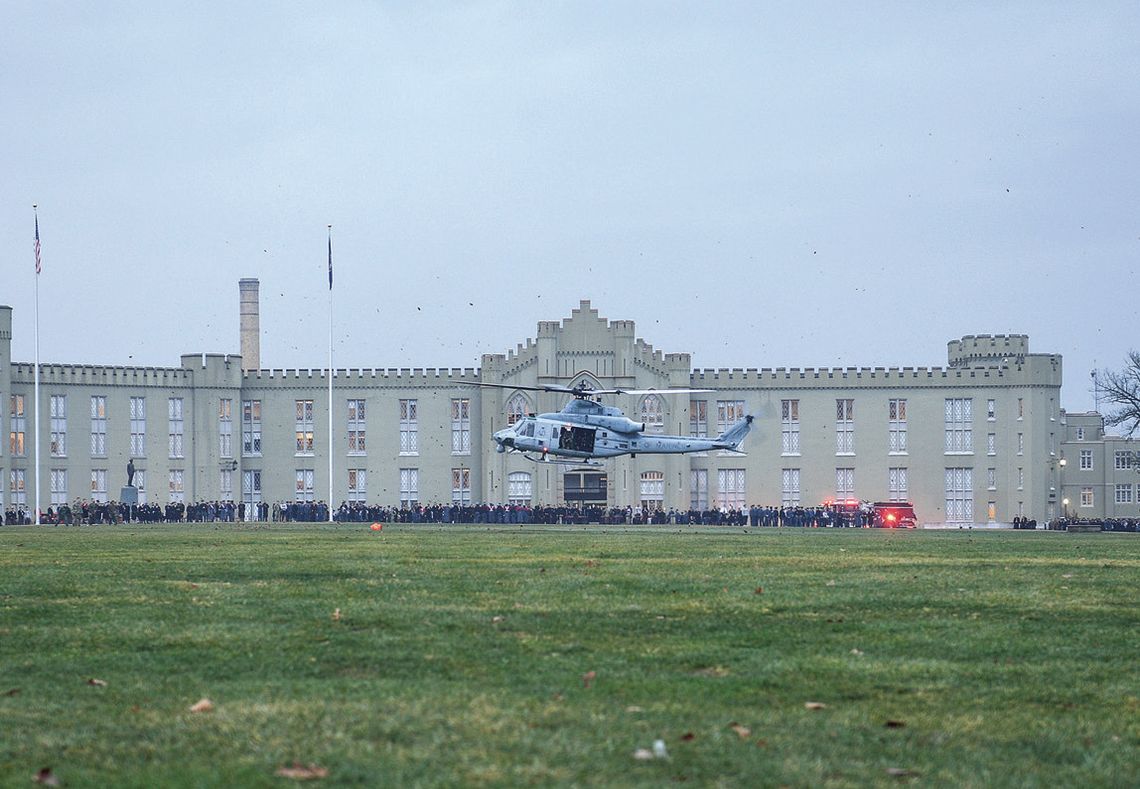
column 731, row 438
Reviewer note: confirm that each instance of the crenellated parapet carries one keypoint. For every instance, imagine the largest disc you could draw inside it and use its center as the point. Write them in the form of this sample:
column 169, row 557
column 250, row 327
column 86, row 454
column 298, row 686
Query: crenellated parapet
column 871, row 377
column 402, row 377
column 101, row 375
column 986, row 349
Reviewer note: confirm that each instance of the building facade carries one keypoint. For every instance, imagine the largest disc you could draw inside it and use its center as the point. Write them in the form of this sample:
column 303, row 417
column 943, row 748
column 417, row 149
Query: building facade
column 978, row 440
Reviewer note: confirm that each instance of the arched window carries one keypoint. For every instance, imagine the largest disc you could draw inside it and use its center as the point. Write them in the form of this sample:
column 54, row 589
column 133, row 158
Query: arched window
column 653, row 414
column 516, row 408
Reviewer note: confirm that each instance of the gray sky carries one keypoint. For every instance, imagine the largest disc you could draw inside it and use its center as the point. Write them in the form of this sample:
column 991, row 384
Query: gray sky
column 759, row 184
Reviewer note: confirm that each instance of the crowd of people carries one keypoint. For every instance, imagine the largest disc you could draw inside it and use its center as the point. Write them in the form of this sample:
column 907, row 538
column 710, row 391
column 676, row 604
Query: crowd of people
column 83, row 512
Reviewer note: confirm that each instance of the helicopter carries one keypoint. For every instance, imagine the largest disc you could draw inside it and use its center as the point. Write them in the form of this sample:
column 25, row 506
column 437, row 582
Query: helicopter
column 585, row 430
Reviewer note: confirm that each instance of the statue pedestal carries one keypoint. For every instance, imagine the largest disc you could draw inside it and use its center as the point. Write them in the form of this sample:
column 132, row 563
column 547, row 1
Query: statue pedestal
column 129, row 495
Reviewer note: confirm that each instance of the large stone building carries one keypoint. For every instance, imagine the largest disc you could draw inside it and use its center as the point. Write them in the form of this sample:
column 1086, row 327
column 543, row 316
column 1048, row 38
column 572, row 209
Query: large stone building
column 978, row 440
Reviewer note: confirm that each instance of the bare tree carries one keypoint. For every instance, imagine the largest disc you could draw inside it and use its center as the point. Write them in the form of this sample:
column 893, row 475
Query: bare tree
column 1121, row 388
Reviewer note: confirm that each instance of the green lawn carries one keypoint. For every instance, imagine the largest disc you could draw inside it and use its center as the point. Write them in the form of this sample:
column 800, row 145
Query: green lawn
column 444, row 656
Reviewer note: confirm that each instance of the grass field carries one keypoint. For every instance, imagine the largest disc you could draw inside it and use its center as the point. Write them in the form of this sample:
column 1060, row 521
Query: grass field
column 477, row 657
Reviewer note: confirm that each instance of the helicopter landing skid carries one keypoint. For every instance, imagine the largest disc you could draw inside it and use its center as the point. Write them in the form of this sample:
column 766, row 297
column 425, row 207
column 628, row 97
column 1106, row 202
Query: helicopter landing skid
column 561, row 461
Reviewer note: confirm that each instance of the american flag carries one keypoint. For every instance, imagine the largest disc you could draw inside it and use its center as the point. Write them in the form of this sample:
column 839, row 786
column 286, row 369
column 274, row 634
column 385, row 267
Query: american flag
column 37, row 245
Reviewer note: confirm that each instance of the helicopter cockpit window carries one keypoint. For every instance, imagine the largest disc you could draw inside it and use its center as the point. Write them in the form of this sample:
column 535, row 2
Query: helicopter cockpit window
column 525, row 427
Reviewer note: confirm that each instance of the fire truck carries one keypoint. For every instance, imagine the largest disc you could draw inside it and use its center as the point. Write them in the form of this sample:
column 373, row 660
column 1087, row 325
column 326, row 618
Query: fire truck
column 893, row 515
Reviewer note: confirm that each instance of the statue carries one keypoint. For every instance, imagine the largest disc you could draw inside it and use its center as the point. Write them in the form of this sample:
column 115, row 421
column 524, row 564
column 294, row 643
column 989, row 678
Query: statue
column 131, row 473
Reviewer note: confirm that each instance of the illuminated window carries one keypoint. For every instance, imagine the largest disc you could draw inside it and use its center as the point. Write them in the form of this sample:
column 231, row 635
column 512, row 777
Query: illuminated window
column 519, row 487
column 517, row 408
column 99, row 427
column 251, row 428
column 356, row 432
column 358, row 484
column 652, row 489
column 58, row 405
column 303, row 427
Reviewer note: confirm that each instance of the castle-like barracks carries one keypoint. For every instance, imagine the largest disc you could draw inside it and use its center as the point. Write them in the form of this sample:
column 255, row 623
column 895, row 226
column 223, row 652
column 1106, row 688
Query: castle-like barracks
column 983, row 439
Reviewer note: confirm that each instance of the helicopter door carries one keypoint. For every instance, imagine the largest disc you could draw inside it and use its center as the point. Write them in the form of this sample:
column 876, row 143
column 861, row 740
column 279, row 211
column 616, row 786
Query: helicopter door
column 576, row 439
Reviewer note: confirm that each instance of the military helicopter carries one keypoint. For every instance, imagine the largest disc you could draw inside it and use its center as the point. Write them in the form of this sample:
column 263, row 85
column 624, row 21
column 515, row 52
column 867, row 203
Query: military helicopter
column 585, row 430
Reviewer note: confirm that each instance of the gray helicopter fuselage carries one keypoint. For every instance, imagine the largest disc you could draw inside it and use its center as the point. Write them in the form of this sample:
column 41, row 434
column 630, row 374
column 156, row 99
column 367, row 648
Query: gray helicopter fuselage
column 586, row 429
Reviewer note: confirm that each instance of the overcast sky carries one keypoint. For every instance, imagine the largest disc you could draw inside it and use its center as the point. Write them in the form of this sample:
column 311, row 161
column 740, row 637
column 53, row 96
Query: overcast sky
column 758, row 184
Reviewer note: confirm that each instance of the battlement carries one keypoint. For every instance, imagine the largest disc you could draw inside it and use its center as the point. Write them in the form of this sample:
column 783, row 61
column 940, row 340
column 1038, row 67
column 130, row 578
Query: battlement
column 792, row 377
column 101, row 375
column 999, row 348
column 403, row 376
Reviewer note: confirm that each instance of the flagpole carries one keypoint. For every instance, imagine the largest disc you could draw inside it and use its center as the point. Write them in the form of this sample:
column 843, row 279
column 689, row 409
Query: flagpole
column 330, row 379
column 36, row 378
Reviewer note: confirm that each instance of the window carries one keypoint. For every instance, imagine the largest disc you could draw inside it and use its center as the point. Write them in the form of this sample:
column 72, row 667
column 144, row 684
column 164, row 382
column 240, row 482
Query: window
column 991, row 410
column 140, row 485
column 896, row 426
column 358, row 484
column 1021, row 443
column 409, row 483
column 174, row 419
column 356, row 435
column 1021, row 479
column 17, row 487
column 844, row 484
column 225, row 428
column 652, row 489
column 1124, row 493
column 17, row 422
column 1122, row 459
column 896, row 485
column 730, row 488
column 99, row 426
column 1080, row 434
column 461, row 428
column 699, row 489
column 177, row 488
column 519, row 488
column 303, row 490
column 251, row 491
column 1020, row 408
column 653, row 414
column 58, row 486
column 959, row 495
column 58, row 406
column 251, row 428
column 1086, row 460
column 844, row 427
column 789, row 487
column 226, row 484
column 461, row 486
column 1086, row 497
column 699, row 418
column 790, row 427
column 409, row 429
column 516, row 408
column 303, row 427
column 991, row 479
column 959, row 425
column 991, row 444
column 99, row 485
column 728, row 413
column 138, row 427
